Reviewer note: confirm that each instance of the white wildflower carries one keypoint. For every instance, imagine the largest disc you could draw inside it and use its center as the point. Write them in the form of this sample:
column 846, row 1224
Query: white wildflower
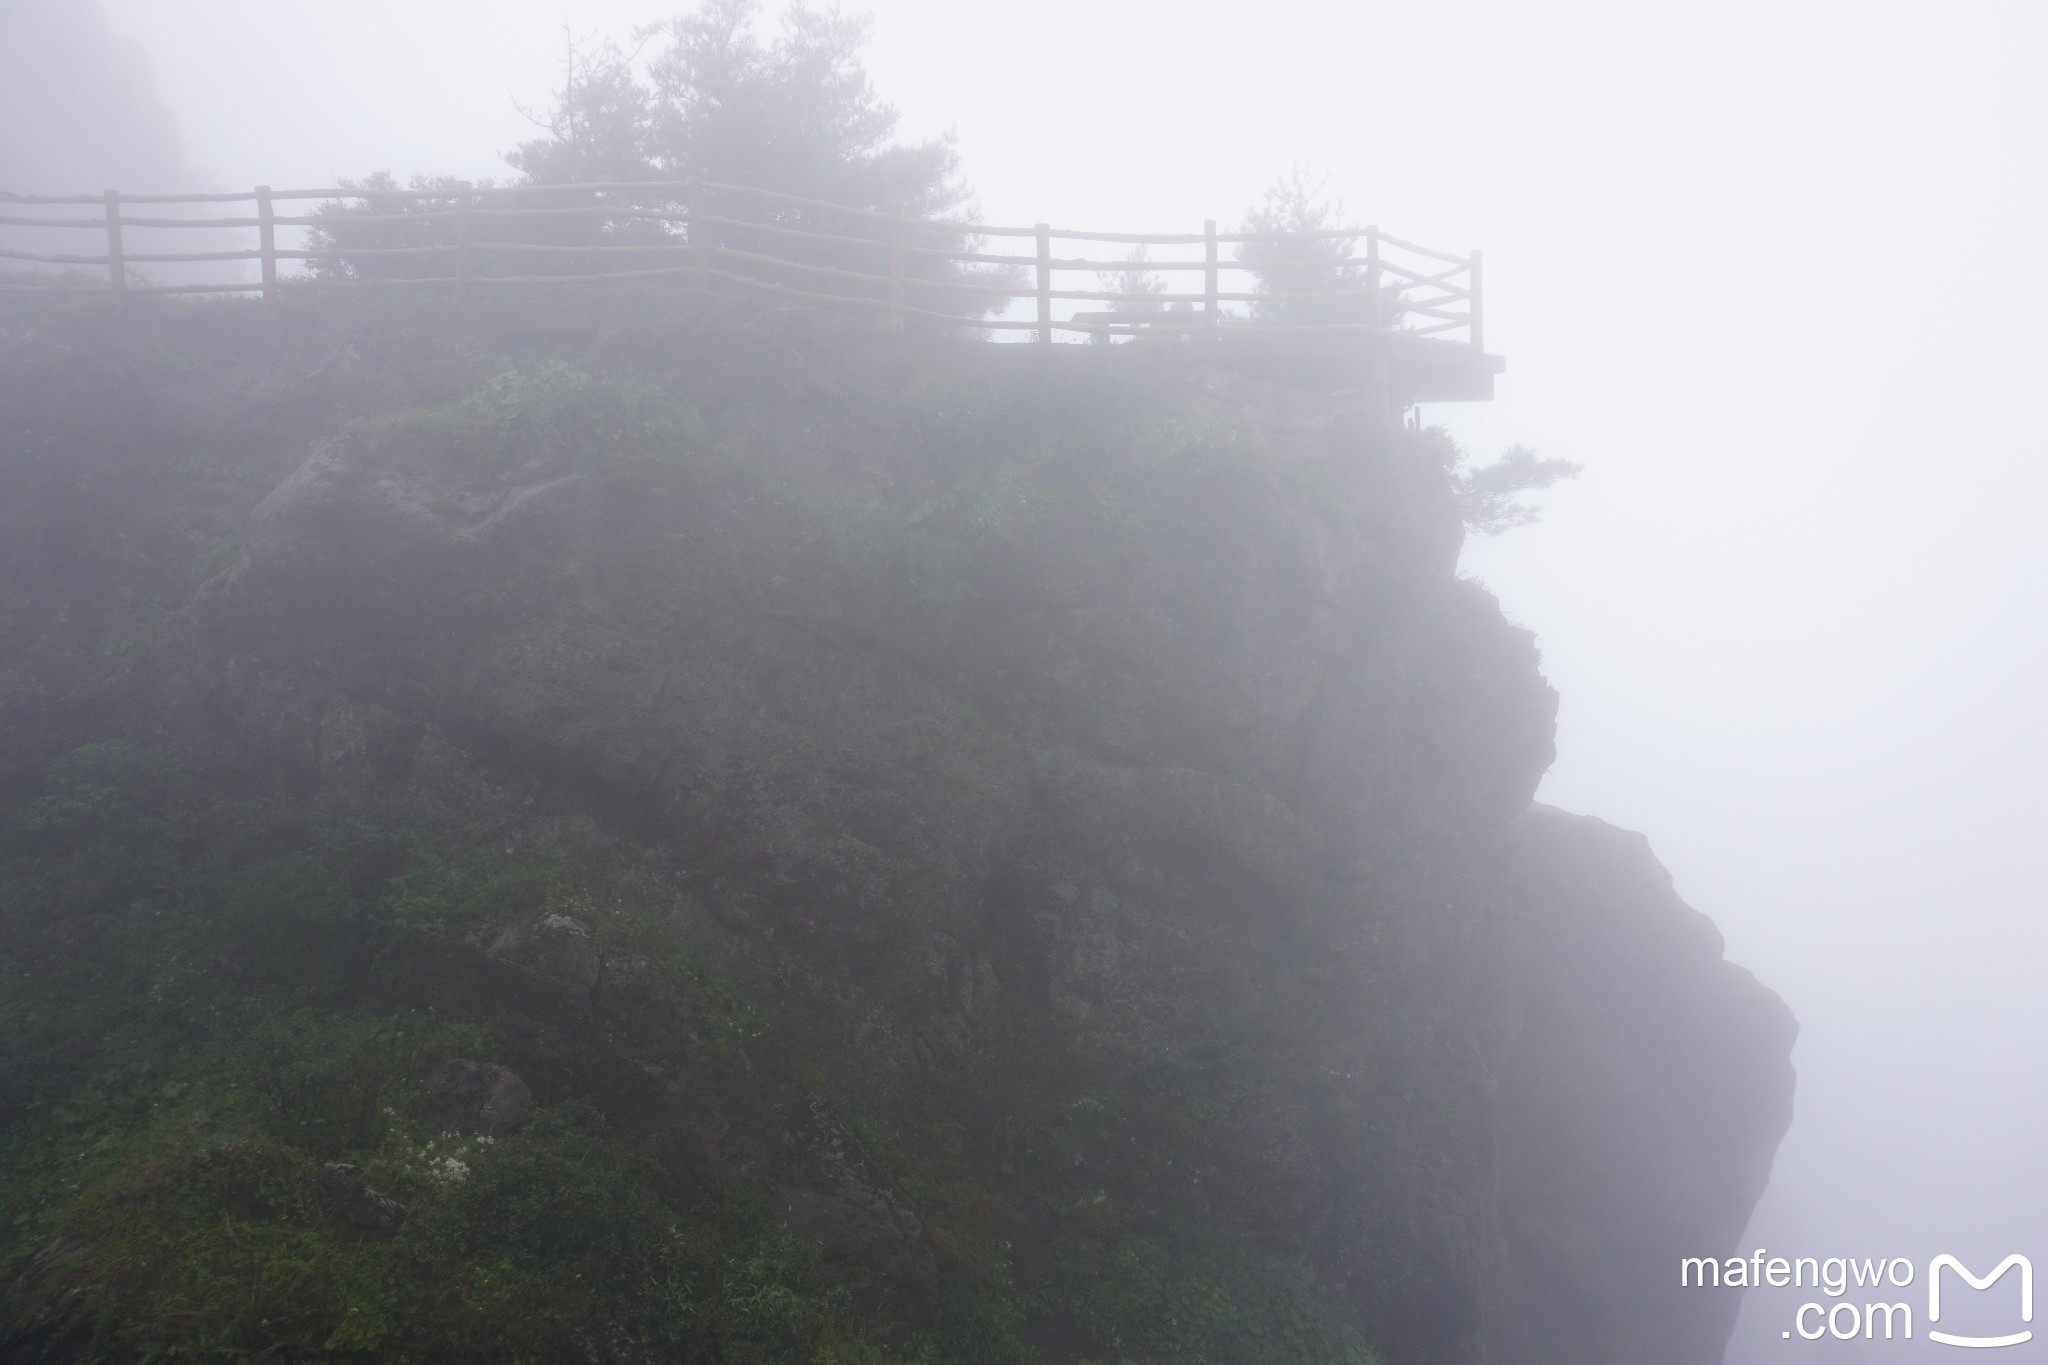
column 448, row 1170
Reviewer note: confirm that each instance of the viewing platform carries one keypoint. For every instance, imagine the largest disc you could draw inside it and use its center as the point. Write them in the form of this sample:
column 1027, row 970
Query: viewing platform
column 1338, row 309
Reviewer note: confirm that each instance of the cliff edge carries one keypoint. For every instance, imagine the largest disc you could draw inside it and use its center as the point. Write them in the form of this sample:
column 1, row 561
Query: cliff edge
column 1040, row 843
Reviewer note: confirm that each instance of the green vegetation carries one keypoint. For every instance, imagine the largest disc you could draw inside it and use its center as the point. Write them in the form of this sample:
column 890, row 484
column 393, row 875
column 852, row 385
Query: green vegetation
column 547, row 410
column 1155, row 1297
column 221, row 1002
column 195, row 1026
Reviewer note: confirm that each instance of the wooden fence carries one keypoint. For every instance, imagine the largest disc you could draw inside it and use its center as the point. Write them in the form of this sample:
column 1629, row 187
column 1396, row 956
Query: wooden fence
column 713, row 235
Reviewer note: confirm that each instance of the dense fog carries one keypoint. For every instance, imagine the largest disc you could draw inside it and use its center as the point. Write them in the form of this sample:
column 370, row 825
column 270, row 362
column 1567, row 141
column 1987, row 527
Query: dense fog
column 1770, row 272
column 90, row 117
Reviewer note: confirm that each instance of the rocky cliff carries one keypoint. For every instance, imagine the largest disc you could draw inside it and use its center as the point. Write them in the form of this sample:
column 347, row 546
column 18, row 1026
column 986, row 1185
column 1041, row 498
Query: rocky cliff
column 1041, row 843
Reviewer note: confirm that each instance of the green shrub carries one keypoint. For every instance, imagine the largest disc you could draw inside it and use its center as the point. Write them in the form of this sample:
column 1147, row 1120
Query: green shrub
column 1165, row 1299
column 181, row 1079
column 548, row 410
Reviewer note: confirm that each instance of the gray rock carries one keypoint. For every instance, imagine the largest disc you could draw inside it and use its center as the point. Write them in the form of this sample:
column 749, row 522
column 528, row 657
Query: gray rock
column 858, row 1224
column 554, row 956
column 58, row 1250
column 1644, row 1065
column 358, row 1203
column 476, row 1097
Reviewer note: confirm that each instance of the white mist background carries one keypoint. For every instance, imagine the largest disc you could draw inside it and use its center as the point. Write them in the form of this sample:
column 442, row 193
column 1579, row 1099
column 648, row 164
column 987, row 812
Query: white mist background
column 1771, row 271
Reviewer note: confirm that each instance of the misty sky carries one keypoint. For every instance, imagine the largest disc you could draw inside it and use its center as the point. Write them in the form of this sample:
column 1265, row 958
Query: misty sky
column 1770, row 271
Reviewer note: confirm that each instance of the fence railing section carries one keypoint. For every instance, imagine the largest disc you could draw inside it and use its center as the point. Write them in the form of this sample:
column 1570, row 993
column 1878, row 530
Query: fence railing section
column 469, row 238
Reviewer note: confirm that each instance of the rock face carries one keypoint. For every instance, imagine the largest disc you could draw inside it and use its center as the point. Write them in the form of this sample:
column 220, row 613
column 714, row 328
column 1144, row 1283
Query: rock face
column 1098, row 759
column 552, row 957
column 1643, row 1092
column 360, row 1204
column 859, row 1223
column 466, row 1097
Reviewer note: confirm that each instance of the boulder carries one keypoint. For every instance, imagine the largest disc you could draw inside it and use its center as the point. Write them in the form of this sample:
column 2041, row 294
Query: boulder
column 476, row 1097
column 857, row 1224
column 553, row 956
column 356, row 1202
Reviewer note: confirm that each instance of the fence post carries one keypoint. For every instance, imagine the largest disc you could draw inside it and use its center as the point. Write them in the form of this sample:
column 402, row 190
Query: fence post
column 462, row 204
column 1209, row 300
column 1045, row 284
column 1372, row 276
column 699, row 255
column 266, row 241
column 896, row 271
column 1478, row 307
column 117, row 257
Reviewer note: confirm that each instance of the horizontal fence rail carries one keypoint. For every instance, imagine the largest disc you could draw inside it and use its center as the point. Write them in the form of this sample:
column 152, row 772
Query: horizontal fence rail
column 465, row 238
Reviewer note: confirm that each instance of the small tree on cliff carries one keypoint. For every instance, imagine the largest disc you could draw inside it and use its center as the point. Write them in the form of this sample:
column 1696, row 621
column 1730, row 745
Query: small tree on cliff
column 795, row 114
column 1301, row 262
column 597, row 130
column 704, row 96
column 1490, row 496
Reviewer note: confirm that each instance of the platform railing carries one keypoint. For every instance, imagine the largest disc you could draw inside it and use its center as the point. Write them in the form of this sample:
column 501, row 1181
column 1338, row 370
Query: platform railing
column 470, row 238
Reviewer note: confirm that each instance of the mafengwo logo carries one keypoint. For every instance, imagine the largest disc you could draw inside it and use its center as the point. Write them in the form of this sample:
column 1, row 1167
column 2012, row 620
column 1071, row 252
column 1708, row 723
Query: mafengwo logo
column 1873, row 1314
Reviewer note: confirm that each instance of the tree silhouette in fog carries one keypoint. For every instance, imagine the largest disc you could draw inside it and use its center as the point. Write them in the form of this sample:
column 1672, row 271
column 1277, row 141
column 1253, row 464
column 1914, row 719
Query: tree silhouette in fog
column 1490, row 496
column 1304, row 274
column 705, row 97
column 795, row 113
